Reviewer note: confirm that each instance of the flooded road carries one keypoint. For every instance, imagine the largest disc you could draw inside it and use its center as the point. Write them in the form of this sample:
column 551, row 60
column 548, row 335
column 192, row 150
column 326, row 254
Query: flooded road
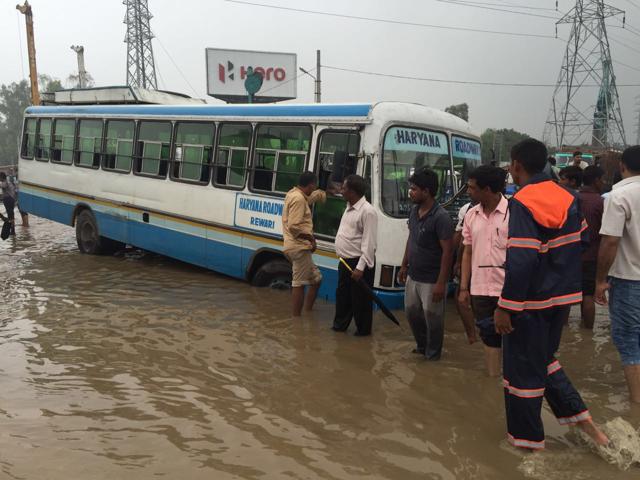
column 136, row 366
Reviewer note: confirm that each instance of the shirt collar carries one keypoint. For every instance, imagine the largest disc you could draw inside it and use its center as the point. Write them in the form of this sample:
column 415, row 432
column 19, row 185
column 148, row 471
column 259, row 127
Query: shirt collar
column 627, row 181
column 358, row 205
column 538, row 178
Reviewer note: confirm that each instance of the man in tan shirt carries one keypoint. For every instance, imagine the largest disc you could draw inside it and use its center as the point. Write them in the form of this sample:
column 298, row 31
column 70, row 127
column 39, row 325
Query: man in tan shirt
column 299, row 242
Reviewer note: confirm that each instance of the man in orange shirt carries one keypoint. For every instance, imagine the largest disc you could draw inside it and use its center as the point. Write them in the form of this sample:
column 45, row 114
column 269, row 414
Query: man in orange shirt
column 299, row 241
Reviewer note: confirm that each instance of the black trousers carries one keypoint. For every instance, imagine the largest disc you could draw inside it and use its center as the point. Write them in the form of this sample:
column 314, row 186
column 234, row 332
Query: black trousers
column 531, row 372
column 352, row 301
column 9, row 206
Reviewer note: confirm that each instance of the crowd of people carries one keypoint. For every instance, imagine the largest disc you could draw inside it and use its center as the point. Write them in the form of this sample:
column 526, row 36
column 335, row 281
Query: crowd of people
column 522, row 263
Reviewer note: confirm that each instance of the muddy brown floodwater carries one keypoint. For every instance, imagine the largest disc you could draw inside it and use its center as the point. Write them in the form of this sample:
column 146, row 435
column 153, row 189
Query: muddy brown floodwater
column 137, row 366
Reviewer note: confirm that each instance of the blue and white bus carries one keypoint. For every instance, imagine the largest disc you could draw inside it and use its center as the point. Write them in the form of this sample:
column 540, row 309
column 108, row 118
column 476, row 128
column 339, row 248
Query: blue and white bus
column 205, row 184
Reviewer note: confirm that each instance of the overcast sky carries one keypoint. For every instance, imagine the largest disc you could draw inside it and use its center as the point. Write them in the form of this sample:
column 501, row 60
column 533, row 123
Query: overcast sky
column 184, row 29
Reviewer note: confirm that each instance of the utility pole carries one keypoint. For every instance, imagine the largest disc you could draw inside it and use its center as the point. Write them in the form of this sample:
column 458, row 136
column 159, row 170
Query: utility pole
column 31, row 48
column 82, row 73
column 141, row 67
column 318, row 79
column 572, row 119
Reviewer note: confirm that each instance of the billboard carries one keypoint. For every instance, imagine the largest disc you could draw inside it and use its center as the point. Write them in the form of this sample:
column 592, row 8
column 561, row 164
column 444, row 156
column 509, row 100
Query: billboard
column 227, row 72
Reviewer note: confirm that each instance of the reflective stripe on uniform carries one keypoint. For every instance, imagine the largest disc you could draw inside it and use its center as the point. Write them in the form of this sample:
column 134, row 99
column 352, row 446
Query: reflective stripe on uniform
column 553, row 367
column 561, row 241
column 540, row 304
column 520, row 442
column 523, row 392
column 532, row 243
column 581, row 417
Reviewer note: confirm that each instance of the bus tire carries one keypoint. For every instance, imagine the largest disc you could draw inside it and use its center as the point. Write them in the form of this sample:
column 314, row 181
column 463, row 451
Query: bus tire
column 273, row 274
column 88, row 236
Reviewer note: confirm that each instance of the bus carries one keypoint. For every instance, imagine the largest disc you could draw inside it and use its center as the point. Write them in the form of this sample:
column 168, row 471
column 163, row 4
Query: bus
column 205, row 184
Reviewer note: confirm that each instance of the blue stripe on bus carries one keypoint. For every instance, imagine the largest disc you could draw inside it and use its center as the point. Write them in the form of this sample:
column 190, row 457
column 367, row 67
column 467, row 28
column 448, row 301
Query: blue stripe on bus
column 354, row 110
column 212, row 250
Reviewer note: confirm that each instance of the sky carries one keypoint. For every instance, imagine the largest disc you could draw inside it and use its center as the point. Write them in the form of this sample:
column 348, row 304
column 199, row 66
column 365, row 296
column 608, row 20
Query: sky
column 184, row 29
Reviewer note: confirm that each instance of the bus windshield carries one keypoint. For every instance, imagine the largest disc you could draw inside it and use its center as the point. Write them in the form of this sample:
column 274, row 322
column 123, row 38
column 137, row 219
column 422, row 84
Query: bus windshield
column 466, row 157
column 405, row 150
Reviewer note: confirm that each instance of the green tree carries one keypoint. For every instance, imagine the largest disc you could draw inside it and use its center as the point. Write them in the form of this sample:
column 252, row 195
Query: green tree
column 14, row 98
column 461, row 110
column 48, row 84
column 496, row 144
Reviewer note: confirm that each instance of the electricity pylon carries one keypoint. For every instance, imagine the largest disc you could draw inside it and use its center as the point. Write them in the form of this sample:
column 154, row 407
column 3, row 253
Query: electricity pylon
column 576, row 117
column 141, row 68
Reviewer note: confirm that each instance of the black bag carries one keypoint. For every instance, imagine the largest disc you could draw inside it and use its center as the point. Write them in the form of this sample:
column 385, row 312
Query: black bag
column 6, row 230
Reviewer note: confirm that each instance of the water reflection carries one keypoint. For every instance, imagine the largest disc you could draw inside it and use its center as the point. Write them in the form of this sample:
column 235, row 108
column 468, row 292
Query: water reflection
column 138, row 366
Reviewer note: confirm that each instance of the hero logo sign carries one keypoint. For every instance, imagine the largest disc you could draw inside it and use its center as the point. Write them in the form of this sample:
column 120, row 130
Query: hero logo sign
column 228, row 72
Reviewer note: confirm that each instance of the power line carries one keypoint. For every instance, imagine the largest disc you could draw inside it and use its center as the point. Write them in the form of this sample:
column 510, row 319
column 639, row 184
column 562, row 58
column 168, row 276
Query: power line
column 288, row 81
column 620, row 42
column 20, row 41
column 458, row 82
column 632, row 2
column 384, row 20
column 176, row 65
column 474, row 5
column 511, row 5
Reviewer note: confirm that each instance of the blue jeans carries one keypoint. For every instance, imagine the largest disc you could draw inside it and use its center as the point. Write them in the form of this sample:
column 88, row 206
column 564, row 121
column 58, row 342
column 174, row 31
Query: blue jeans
column 624, row 308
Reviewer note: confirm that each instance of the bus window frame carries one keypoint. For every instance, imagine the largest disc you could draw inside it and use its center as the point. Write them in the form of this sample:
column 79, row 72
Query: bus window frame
column 135, row 157
column 53, row 139
column 464, row 137
column 249, row 165
column 384, row 131
column 357, row 130
column 37, row 140
column 172, row 154
column 77, row 152
column 311, row 126
column 23, row 138
column 104, row 144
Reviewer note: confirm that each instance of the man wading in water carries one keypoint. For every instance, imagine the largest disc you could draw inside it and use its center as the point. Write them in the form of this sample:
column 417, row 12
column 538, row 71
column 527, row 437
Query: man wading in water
column 299, row 242
column 485, row 248
column 542, row 281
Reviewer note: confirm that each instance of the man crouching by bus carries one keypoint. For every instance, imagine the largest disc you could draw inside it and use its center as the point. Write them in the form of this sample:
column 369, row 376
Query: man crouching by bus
column 299, row 242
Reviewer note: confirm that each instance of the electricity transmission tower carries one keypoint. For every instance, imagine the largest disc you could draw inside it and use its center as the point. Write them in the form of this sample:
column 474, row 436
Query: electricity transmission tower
column 141, row 68
column 575, row 116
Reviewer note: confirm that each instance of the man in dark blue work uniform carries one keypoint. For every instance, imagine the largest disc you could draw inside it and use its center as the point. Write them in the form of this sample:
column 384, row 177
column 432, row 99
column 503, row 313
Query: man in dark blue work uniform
column 542, row 281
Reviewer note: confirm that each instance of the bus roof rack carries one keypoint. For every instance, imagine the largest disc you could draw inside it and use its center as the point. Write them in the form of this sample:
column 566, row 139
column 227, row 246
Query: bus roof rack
column 117, row 95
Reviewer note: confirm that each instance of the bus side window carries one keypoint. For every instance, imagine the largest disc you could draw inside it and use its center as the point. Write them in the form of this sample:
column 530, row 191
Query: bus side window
column 336, row 160
column 152, row 151
column 89, row 143
column 64, row 135
column 43, row 140
column 280, row 156
column 29, row 138
column 193, row 152
column 118, row 145
column 230, row 167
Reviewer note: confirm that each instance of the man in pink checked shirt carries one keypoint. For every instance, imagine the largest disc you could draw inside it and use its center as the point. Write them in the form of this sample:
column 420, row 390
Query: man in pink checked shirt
column 485, row 232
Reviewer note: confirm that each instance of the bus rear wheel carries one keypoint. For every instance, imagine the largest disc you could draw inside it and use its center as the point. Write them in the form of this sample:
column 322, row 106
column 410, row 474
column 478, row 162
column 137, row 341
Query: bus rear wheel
column 88, row 237
column 274, row 274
